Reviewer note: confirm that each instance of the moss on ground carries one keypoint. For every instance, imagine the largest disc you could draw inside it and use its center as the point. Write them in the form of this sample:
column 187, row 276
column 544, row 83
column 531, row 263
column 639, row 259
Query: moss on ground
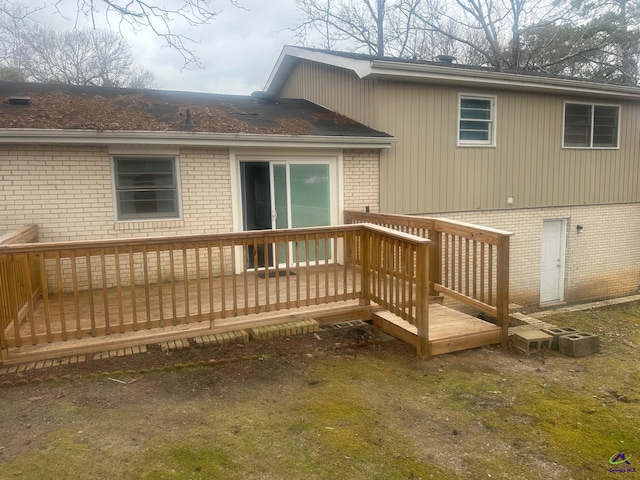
column 375, row 413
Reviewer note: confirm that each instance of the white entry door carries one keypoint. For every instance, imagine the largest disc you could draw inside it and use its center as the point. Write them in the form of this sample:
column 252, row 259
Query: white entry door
column 552, row 263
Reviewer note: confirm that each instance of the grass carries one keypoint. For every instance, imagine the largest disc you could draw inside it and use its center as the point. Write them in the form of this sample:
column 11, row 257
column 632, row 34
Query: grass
column 376, row 413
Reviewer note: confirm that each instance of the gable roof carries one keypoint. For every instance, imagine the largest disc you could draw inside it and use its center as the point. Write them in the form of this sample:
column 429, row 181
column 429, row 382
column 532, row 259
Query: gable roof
column 408, row 70
column 67, row 111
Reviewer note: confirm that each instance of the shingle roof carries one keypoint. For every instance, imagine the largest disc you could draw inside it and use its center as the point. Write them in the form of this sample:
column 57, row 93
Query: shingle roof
column 102, row 108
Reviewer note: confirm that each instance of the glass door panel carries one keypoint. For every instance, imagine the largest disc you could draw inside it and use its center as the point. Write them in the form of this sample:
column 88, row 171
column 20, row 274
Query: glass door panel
column 310, row 205
column 281, row 205
column 256, row 208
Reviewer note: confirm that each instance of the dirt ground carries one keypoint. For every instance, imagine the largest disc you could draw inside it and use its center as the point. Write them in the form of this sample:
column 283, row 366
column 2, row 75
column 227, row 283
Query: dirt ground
column 343, row 403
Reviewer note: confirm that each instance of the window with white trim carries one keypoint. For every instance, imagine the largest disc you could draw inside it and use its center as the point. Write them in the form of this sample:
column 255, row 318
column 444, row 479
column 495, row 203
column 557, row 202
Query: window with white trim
column 146, row 188
column 591, row 126
column 476, row 126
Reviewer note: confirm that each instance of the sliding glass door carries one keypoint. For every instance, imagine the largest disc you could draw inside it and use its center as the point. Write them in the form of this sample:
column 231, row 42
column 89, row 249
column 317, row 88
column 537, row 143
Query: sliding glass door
column 286, row 194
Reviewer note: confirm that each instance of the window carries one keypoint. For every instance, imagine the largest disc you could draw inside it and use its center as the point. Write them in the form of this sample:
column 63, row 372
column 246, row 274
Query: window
column 146, row 188
column 591, row 126
column 477, row 121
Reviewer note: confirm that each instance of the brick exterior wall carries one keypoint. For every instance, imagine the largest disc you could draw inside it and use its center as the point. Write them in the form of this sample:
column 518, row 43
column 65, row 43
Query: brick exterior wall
column 600, row 262
column 361, row 180
column 67, row 191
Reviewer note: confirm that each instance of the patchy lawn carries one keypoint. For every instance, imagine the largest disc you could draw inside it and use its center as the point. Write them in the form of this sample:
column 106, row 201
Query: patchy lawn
column 311, row 408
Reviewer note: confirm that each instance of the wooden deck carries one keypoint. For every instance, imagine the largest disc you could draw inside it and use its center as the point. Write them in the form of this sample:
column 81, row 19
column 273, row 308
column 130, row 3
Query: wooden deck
column 141, row 319
column 66, row 298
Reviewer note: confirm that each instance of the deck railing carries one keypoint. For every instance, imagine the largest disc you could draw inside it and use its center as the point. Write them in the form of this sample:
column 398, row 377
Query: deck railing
column 468, row 263
column 98, row 288
column 18, row 292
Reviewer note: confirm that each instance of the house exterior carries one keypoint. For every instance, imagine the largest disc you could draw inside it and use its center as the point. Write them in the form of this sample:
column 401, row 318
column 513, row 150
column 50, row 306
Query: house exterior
column 88, row 163
column 555, row 160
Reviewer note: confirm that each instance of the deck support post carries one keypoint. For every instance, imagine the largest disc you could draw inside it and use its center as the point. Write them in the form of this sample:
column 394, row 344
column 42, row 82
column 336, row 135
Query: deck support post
column 502, row 294
column 365, row 265
column 435, row 259
column 422, row 300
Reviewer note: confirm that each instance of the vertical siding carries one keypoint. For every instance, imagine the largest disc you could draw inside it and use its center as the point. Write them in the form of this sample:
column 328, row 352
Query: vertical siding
column 333, row 88
column 426, row 171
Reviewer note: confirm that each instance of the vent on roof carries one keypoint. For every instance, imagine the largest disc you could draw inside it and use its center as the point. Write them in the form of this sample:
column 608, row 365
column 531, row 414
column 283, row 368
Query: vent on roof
column 188, row 122
column 446, row 59
column 19, row 100
column 262, row 96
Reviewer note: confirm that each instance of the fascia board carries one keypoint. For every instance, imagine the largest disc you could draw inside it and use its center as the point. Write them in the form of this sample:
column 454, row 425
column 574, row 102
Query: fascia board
column 441, row 74
column 92, row 137
column 382, row 69
column 290, row 55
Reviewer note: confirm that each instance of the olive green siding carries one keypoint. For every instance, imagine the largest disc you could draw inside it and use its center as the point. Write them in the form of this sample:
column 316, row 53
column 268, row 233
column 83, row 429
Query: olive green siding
column 427, row 172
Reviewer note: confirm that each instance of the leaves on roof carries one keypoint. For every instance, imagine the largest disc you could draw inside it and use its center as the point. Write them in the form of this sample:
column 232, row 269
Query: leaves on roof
column 135, row 112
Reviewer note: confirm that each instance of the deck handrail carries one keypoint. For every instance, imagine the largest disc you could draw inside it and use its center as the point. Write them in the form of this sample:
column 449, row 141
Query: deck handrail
column 17, row 292
column 468, row 263
column 141, row 271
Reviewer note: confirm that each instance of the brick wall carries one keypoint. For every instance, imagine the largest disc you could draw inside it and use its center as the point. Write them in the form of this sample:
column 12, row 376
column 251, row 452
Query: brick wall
column 67, row 191
column 601, row 262
column 361, row 180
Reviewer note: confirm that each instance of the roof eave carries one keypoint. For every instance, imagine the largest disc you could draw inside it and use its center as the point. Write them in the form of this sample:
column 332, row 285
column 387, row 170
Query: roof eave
column 290, row 55
column 111, row 137
column 502, row 80
column 443, row 74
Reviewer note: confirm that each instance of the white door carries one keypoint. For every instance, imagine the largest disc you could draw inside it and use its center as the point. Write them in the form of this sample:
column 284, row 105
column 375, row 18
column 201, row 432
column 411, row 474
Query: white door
column 552, row 263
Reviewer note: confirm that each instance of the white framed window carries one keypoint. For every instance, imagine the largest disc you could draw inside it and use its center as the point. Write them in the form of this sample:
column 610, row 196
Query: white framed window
column 146, row 188
column 477, row 120
column 588, row 125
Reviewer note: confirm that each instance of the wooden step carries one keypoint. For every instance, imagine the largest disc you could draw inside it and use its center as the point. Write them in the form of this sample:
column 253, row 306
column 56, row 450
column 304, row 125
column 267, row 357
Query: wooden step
column 449, row 330
column 396, row 327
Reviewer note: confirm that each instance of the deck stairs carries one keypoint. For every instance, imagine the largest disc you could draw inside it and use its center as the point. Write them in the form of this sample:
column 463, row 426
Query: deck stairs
column 449, row 330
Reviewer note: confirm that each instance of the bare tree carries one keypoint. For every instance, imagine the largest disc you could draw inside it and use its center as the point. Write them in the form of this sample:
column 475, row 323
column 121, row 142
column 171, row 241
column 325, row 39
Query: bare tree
column 164, row 19
column 78, row 57
column 598, row 39
column 378, row 27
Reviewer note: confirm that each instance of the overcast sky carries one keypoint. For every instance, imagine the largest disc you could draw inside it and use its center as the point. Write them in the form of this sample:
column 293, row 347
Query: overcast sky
column 238, row 49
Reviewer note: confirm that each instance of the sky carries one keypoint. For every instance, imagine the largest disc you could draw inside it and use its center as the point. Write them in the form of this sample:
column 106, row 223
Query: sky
column 238, row 49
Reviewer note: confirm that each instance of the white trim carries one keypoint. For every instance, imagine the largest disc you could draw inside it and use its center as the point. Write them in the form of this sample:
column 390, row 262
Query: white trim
column 331, row 157
column 147, row 150
column 493, row 99
column 592, row 104
column 92, row 137
column 443, row 74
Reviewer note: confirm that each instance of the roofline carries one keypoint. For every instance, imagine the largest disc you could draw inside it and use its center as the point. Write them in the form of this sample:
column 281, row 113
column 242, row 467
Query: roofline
column 428, row 73
column 109, row 137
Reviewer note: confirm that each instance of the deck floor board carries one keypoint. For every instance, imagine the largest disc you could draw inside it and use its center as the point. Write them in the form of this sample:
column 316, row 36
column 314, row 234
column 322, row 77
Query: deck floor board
column 146, row 314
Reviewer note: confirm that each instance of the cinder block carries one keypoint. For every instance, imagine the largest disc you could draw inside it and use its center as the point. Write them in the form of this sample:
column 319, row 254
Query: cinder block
column 579, row 344
column 529, row 341
column 557, row 332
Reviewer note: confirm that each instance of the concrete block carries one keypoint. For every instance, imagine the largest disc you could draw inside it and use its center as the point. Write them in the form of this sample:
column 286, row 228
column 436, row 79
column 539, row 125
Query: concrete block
column 557, row 332
column 579, row 344
column 529, row 341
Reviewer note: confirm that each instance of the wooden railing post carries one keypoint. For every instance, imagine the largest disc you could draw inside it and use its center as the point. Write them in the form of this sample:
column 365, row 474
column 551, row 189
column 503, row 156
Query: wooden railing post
column 365, row 266
column 422, row 299
column 502, row 284
column 435, row 259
